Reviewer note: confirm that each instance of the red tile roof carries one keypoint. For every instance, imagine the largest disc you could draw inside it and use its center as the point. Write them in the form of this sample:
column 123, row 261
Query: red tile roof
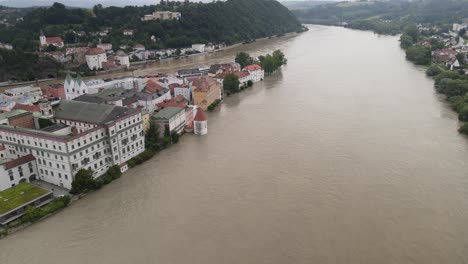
column 200, row 116
column 19, row 161
column 152, row 87
column 253, row 67
column 54, row 40
column 178, row 101
column 242, row 74
column 95, row 51
column 29, row 108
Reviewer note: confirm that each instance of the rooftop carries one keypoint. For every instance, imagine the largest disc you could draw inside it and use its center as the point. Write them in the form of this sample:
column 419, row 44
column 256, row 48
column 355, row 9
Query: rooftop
column 18, row 195
column 12, row 113
column 167, row 113
column 19, row 161
column 90, row 112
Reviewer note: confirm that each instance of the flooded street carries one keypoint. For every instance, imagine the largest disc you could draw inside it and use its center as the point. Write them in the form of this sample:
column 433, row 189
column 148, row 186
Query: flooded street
column 346, row 156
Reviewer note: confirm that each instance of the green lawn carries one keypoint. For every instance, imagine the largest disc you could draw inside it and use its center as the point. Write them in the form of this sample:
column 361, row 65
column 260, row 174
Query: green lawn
column 18, row 195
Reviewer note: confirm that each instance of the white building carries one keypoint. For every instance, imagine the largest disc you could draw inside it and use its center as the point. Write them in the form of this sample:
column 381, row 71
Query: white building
column 149, row 101
column 76, row 87
column 183, row 90
column 162, row 15
column 32, row 92
column 95, row 57
column 85, row 136
column 122, row 58
column 104, row 46
column 128, row 32
column 6, row 46
column 256, row 72
column 172, row 118
column 54, row 41
column 17, row 170
column 199, row 47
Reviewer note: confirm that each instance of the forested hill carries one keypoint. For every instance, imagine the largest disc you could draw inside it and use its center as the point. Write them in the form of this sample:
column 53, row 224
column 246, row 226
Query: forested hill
column 228, row 21
column 386, row 16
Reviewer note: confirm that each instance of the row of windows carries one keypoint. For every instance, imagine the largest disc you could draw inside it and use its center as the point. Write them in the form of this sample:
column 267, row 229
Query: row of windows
column 28, row 142
column 51, row 173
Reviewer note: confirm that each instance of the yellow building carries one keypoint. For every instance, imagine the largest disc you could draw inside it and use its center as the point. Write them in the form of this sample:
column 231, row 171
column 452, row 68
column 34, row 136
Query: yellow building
column 205, row 91
column 146, row 120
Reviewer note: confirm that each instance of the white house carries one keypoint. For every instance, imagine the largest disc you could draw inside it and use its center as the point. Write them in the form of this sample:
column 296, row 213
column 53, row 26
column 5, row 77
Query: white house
column 256, row 72
column 199, row 47
column 16, row 170
column 95, row 57
column 54, row 41
column 122, row 58
column 128, row 32
column 184, row 90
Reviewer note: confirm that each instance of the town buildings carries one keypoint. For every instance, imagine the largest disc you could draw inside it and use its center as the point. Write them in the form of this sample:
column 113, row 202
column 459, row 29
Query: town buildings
column 84, row 135
column 95, row 58
column 122, row 58
column 104, row 46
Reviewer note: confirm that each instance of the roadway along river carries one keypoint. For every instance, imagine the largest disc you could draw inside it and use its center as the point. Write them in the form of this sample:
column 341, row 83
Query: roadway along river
column 347, row 156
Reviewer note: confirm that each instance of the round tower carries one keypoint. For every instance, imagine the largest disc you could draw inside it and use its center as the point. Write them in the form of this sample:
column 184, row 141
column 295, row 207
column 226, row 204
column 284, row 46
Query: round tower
column 200, row 123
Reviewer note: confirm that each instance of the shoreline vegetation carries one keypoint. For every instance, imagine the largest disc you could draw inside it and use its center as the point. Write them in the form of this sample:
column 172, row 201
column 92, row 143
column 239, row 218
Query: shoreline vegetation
column 84, row 182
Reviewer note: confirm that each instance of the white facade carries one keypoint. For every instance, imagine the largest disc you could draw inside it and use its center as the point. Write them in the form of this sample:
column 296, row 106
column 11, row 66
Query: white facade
column 105, row 46
column 176, row 122
column 95, row 61
column 123, row 60
column 199, row 47
column 14, row 172
column 162, row 15
column 76, row 87
column 186, row 92
column 96, row 146
column 200, row 127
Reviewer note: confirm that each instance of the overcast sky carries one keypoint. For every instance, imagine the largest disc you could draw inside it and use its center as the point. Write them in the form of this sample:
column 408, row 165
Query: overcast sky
column 86, row 3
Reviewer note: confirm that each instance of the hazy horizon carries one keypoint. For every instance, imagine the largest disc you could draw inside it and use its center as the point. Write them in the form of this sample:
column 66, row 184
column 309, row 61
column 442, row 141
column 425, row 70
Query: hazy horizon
column 90, row 3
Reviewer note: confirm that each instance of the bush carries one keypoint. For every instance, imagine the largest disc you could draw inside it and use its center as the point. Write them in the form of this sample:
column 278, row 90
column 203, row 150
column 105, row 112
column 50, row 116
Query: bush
column 249, row 83
column 175, row 138
column 3, row 233
column 464, row 129
column 83, row 182
column 114, row 172
column 433, row 70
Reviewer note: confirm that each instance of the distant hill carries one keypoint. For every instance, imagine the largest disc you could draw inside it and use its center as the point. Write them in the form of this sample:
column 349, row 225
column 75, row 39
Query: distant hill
column 228, row 21
column 385, row 16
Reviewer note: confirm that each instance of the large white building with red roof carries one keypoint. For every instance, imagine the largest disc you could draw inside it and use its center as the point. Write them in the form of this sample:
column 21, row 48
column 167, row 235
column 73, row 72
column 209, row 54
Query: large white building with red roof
column 16, row 170
column 54, row 41
column 256, row 72
column 95, row 58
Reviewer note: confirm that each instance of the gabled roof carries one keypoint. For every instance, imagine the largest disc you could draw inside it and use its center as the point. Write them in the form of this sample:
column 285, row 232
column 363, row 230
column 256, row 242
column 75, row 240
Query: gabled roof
column 90, row 112
column 167, row 113
column 29, row 108
column 152, row 86
column 19, row 161
column 253, row 67
column 54, row 40
column 95, row 51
